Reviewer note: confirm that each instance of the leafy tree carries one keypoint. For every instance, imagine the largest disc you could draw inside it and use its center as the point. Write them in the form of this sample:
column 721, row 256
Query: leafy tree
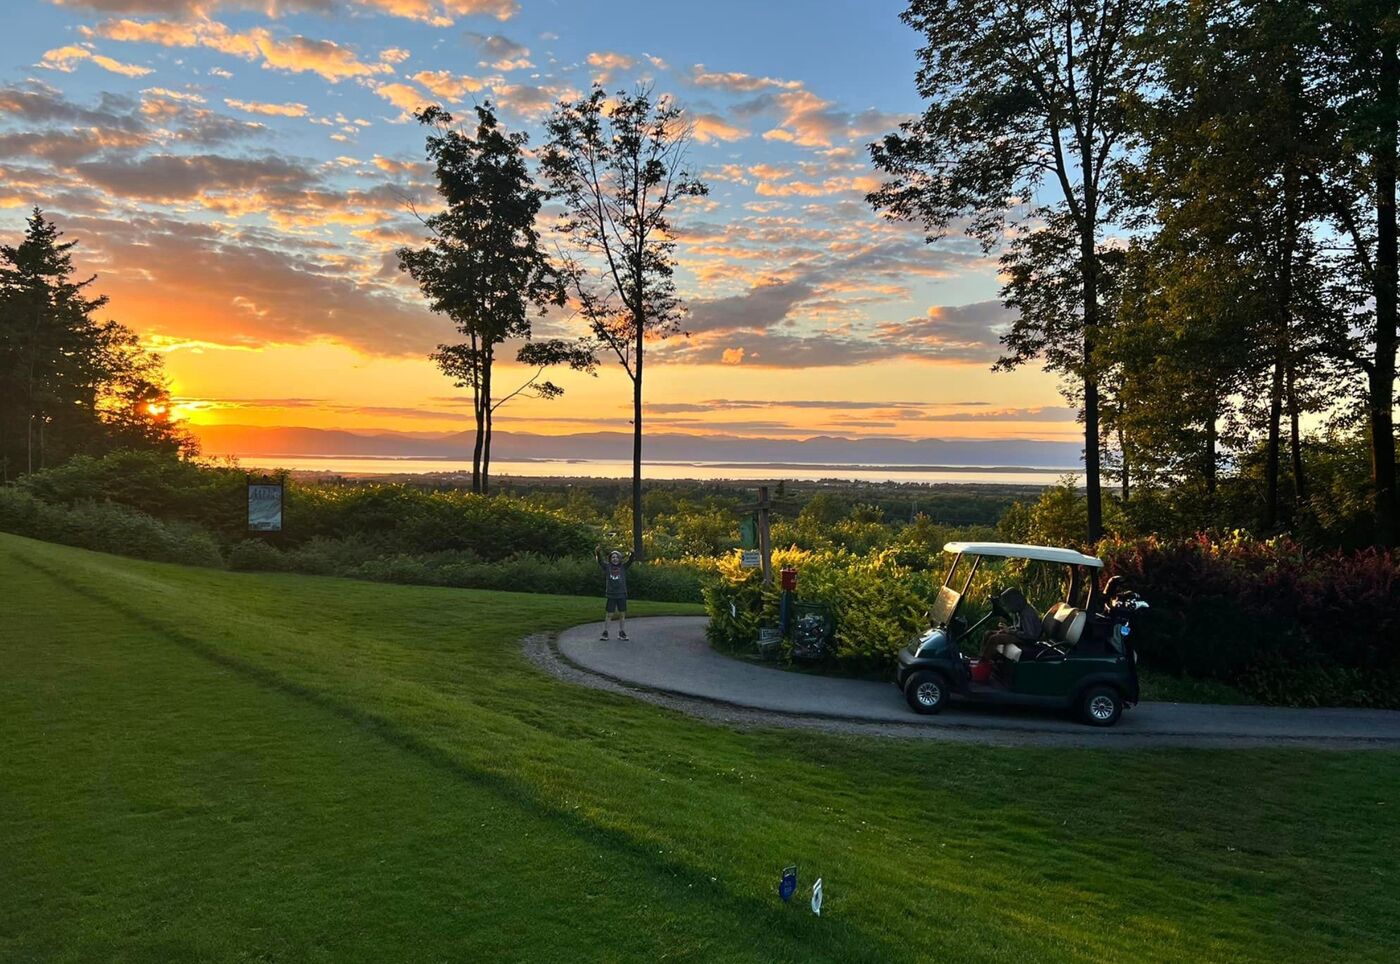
column 1229, row 325
column 485, row 267
column 1020, row 93
column 1358, row 64
column 618, row 165
column 69, row 382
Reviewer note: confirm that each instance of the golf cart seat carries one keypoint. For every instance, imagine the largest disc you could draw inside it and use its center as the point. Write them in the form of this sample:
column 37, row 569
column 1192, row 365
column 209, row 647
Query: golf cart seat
column 1063, row 623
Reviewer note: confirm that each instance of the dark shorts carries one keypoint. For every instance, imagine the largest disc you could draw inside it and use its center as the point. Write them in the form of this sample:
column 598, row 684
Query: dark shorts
column 615, row 605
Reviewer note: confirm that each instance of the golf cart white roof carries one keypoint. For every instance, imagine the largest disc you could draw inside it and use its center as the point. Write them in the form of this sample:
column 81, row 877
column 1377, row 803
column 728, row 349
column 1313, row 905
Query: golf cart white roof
column 1015, row 550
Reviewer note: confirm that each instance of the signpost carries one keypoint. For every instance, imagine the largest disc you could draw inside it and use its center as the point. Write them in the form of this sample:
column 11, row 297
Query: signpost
column 265, row 505
column 765, row 542
column 752, row 559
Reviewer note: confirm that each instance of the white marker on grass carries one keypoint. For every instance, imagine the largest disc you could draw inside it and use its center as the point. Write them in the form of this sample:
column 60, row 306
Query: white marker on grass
column 817, row 897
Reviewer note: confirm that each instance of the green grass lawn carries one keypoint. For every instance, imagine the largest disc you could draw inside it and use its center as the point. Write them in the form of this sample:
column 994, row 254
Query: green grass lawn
column 198, row 765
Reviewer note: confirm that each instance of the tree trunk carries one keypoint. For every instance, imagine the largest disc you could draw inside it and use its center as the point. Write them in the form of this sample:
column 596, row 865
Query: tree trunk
column 480, row 416
column 488, row 355
column 637, row 551
column 1381, row 387
column 1271, row 457
column 1209, row 457
column 1123, row 454
column 1295, row 441
column 1089, row 273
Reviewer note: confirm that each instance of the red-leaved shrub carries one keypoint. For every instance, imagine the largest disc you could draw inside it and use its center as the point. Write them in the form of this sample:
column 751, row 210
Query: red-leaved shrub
column 1286, row 624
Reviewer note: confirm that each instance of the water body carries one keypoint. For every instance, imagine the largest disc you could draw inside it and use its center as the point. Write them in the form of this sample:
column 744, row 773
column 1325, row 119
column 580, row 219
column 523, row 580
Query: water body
column 704, row 471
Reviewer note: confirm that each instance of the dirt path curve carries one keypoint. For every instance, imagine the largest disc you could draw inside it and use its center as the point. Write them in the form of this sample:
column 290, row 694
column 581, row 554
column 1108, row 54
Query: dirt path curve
column 668, row 662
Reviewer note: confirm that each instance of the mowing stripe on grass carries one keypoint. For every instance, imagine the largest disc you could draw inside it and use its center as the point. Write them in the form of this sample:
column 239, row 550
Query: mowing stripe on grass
column 684, row 876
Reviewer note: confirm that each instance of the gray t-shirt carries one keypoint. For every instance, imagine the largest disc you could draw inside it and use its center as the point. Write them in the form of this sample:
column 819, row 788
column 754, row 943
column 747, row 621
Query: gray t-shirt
column 614, row 577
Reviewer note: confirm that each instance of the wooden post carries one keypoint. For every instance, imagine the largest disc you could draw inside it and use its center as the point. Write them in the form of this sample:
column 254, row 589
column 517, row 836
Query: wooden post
column 765, row 544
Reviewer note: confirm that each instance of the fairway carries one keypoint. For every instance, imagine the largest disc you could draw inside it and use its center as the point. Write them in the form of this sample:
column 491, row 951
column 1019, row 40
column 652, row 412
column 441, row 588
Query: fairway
column 197, row 764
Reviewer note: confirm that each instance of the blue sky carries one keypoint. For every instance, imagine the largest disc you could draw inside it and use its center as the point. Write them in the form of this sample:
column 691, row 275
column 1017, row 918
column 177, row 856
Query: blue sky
column 239, row 173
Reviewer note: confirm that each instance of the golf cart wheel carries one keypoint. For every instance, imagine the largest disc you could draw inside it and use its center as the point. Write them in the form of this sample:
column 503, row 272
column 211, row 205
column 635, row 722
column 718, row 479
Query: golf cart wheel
column 926, row 692
column 1101, row 706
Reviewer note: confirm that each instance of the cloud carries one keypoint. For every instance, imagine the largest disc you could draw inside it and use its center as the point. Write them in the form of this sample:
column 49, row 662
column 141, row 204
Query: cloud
column 732, row 356
column 67, row 147
column 530, row 100
column 63, row 59
column 197, row 8
column 963, row 332
column 439, row 13
column 735, row 82
column 739, row 404
column 295, row 54
column 498, row 52
column 176, row 177
column 266, row 109
column 403, row 96
column 64, row 132
column 607, row 63
column 712, row 127
column 760, row 307
column 448, row 85
column 207, row 283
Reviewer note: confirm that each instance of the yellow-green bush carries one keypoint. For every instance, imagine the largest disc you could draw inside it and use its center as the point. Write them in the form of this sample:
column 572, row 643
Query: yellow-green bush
column 879, row 603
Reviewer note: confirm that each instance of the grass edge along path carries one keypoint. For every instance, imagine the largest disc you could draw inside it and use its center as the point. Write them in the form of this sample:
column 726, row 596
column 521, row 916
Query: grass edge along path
column 946, row 852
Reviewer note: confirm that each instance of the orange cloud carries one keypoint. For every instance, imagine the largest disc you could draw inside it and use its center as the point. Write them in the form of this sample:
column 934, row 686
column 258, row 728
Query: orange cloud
column 448, row 85
column 443, row 12
column 732, row 356
column 64, row 59
column 711, row 127
column 295, row 54
column 405, row 98
column 268, row 110
column 439, row 13
column 738, row 83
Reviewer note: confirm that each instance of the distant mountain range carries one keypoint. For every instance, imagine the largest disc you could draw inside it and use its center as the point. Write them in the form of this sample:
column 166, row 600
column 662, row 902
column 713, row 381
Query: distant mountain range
column 820, row 450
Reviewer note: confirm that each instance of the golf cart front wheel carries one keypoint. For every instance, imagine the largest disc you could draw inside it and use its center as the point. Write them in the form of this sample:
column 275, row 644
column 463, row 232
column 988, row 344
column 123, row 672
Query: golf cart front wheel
column 926, row 692
column 1101, row 706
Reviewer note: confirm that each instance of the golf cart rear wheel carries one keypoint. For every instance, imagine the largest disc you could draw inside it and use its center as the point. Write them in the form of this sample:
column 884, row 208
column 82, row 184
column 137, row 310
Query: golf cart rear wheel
column 926, row 692
column 1101, row 706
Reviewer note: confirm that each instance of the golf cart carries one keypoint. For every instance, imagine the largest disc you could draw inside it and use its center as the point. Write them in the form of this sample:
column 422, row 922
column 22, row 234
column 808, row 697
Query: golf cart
column 988, row 644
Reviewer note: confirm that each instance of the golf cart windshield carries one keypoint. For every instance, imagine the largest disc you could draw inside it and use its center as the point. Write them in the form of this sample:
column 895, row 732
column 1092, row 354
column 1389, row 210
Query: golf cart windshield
column 945, row 606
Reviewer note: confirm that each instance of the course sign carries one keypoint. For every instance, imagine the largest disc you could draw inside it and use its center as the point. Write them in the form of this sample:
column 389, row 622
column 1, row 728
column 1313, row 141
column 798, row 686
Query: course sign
column 752, row 559
column 264, row 506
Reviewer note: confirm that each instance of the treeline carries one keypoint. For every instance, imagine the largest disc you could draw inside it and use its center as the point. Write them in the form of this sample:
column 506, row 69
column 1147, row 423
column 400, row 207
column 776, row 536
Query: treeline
column 1200, row 200
column 69, row 382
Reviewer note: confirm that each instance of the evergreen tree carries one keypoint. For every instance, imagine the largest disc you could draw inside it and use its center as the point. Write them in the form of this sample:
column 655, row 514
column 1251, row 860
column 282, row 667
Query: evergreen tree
column 69, row 382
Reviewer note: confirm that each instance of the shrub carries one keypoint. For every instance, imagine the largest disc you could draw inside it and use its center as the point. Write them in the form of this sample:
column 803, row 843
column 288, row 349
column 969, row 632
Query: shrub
column 878, row 602
column 107, row 527
column 255, row 555
column 529, row 572
column 1283, row 624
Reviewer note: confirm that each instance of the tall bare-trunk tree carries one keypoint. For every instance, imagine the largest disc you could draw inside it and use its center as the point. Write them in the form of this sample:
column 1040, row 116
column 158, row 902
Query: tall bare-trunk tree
column 618, row 165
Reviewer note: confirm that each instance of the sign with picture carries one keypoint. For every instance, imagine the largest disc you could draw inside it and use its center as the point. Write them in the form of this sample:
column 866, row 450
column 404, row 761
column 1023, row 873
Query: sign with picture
column 264, row 506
